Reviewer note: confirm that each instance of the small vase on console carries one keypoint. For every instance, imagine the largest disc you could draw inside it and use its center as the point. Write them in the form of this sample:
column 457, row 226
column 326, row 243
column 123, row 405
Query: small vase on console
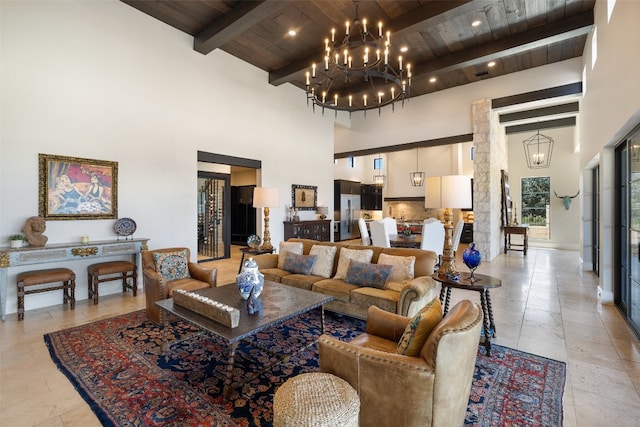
column 250, row 279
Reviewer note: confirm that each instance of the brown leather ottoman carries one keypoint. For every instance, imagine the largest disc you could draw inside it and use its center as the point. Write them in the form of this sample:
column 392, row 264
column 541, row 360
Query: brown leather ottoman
column 45, row 277
column 113, row 270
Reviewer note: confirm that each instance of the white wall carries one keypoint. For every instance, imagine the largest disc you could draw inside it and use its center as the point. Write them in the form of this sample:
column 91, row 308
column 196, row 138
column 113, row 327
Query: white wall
column 448, row 112
column 101, row 80
column 564, row 224
column 610, row 109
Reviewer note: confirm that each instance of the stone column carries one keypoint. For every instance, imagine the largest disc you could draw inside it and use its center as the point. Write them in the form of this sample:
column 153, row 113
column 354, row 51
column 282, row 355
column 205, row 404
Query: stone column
column 489, row 140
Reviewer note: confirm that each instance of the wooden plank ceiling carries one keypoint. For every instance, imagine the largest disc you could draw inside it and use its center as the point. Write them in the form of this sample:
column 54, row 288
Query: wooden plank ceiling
column 442, row 43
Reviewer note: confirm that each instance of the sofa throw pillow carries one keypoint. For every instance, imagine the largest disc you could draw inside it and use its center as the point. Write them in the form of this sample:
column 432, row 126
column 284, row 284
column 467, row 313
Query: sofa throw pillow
column 323, row 266
column 293, row 247
column 299, row 264
column 346, row 256
column 419, row 328
column 367, row 274
column 172, row 265
column 403, row 266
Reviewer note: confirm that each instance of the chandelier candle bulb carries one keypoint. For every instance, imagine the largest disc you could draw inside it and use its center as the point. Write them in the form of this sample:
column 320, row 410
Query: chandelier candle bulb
column 308, row 82
column 393, row 92
column 335, row 99
column 364, row 98
column 386, row 56
column 333, row 37
column 313, row 70
column 346, row 54
column 347, row 27
column 350, row 61
column 400, row 62
column 380, row 29
column 366, row 55
column 388, row 38
column 350, row 101
column 377, row 54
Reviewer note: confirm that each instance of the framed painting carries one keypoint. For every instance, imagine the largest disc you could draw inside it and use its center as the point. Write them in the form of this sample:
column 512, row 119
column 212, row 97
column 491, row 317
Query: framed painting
column 74, row 188
column 304, row 197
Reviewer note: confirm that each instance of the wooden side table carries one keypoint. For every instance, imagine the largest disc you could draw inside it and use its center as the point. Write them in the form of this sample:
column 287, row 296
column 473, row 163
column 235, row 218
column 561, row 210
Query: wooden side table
column 251, row 251
column 482, row 284
column 522, row 229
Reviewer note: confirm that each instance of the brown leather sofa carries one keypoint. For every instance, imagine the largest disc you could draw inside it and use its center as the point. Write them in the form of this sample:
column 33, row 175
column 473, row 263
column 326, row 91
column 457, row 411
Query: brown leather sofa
column 157, row 288
column 431, row 389
column 355, row 300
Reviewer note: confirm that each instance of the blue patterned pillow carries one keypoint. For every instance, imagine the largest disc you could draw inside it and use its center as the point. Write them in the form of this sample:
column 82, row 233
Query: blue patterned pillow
column 299, row 264
column 367, row 274
column 172, row 265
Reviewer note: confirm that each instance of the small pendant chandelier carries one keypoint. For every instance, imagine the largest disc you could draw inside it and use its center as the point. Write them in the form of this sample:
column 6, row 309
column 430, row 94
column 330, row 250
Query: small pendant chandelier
column 417, row 178
column 537, row 150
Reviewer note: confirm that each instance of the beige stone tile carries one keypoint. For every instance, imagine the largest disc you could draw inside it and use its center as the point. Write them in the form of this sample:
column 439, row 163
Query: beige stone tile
column 596, row 410
column 588, row 377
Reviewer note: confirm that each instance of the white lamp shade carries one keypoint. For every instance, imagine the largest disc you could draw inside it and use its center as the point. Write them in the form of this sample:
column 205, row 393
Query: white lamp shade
column 264, row 197
column 322, row 210
column 450, row 191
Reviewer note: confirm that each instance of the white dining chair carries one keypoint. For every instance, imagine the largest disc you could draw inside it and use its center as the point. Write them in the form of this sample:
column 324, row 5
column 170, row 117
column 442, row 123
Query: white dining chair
column 379, row 235
column 433, row 237
column 364, row 232
column 391, row 225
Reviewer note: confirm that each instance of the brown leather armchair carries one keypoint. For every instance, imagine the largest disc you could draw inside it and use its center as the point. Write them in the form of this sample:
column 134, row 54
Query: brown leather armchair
column 157, row 288
column 431, row 389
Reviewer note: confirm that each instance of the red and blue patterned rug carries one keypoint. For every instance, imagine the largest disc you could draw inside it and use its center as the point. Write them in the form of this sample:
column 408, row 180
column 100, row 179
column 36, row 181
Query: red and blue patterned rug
column 116, row 366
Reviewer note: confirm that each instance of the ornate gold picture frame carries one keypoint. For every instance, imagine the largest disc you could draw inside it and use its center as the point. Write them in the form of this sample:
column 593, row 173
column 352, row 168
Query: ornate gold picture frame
column 74, row 188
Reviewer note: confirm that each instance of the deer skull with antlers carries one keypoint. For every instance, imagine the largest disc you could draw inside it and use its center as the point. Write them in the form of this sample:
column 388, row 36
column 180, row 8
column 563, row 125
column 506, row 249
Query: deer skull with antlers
column 566, row 200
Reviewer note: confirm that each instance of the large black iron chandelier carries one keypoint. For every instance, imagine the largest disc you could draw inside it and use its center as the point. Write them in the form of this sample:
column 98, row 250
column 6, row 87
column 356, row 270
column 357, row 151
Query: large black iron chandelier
column 364, row 57
column 537, row 150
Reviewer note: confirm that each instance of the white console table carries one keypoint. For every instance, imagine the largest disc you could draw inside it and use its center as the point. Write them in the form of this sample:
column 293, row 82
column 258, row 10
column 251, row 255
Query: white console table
column 13, row 257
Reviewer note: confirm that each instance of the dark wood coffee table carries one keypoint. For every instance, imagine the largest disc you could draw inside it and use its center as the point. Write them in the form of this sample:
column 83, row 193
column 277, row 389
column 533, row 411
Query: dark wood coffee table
column 279, row 303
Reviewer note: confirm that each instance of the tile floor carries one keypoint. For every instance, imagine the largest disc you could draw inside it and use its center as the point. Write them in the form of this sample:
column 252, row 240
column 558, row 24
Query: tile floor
column 547, row 305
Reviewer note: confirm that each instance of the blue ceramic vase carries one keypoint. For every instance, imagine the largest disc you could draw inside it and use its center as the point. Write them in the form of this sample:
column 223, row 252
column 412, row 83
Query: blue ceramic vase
column 250, row 279
column 472, row 258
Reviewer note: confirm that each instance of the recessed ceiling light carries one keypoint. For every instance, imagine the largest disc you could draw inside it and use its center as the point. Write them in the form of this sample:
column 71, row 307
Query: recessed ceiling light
column 432, row 80
column 292, row 33
column 491, row 64
column 476, row 23
column 404, row 49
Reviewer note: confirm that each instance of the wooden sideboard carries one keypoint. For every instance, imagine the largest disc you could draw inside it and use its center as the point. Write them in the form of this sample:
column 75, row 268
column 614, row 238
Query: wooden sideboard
column 14, row 257
column 314, row 229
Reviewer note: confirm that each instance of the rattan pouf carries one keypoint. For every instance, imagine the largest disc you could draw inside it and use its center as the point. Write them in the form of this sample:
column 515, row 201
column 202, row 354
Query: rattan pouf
column 316, row 399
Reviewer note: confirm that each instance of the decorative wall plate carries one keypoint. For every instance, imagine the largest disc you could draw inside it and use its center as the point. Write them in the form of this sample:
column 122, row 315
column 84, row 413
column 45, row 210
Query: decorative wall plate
column 124, row 227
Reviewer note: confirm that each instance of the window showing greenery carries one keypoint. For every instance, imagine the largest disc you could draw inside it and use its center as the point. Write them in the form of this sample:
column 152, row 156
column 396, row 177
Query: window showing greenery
column 535, row 200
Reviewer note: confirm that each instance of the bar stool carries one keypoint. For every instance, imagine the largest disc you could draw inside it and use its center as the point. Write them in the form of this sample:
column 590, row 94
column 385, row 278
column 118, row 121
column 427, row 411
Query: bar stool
column 123, row 269
column 42, row 277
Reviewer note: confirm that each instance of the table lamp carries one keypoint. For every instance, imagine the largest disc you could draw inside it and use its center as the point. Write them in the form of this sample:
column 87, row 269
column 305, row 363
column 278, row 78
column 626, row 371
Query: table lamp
column 448, row 192
column 266, row 198
column 322, row 211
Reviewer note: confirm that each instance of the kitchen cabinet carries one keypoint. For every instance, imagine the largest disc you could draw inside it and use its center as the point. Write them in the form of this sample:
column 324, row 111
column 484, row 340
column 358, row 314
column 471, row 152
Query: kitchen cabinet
column 371, row 197
column 346, row 187
column 315, row 230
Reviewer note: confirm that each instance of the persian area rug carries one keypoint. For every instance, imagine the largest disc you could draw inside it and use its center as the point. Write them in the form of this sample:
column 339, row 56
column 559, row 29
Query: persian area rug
column 117, row 367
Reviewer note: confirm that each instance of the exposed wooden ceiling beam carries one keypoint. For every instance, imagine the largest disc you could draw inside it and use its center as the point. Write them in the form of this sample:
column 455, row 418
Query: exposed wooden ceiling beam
column 406, row 23
column 456, row 139
column 572, row 107
column 242, row 17
column 549, row 124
